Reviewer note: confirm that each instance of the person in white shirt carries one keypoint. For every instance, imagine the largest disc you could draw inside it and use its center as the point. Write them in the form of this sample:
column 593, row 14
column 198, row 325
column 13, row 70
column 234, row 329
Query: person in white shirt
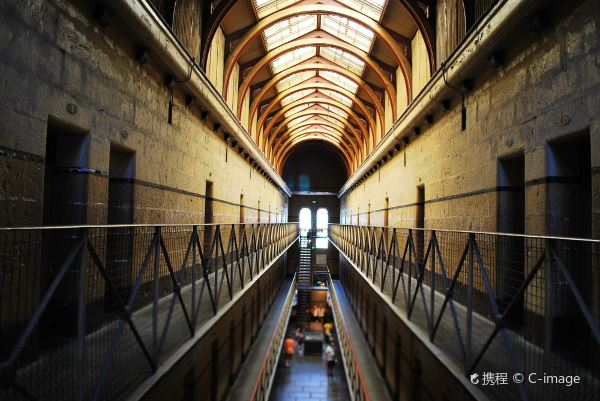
column 330, row 358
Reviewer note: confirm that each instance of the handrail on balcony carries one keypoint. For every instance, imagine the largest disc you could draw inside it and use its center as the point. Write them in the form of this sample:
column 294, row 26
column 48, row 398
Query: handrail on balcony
column 357, row 387
column 89, row 312
column 493, row 302
column 266, row 373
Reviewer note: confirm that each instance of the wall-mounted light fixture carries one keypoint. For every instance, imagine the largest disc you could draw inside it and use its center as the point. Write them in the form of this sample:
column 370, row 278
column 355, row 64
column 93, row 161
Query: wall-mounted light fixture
column 445, row 104
column 405, row 140
column 189, row 100
column 416, row 131
column 429, row 119
column 204, row 115
column 217, row 128
column 234, row 144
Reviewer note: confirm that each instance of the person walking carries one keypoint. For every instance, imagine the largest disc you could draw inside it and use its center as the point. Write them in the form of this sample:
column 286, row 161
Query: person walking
column 300, row 339
column 330, row 358
column 327, row 328
column 289, row 345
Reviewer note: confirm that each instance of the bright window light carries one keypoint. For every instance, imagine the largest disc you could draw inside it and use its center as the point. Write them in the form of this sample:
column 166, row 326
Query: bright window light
column 337, row 96
column 292, row 58
column 322, row 221
column 295, row 96
column 267, row 7
column 294, row 79
column 305, row 221
column 348, row 30
column 288, row 29
column 340, row 80
column 344, row 59
column 371, row 8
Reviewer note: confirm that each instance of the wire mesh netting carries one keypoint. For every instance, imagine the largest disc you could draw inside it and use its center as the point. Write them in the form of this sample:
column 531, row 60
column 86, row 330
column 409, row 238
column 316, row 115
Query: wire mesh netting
column 495, row 303
column 90, row 312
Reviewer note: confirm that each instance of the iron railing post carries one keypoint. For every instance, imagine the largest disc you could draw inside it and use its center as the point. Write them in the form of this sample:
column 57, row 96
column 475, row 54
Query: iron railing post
column 81, row 321
column 548, row 312
column 469, row 328
column 155, row 291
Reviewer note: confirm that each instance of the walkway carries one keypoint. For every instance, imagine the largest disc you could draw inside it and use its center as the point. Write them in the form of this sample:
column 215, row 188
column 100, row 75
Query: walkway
column 244, row 383
column 307, row 380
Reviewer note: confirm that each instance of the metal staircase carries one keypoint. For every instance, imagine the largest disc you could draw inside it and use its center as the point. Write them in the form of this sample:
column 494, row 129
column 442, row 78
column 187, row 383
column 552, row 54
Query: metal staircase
column 304, row 280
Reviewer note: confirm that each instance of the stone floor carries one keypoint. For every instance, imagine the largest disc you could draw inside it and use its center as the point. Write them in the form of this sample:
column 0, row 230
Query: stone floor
column 307, row 380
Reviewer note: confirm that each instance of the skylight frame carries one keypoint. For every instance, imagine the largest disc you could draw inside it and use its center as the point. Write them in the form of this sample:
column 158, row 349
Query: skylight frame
column 297, row 109
column 265, row 8
column 292, row 58
column 371, row 8
column 289, row 29
column 335, row 110
column 343, row 99
column 340, row 80
column 343, row 59
column 333, row 121
column 292, row 97
column 295, row 79
column 349, row 31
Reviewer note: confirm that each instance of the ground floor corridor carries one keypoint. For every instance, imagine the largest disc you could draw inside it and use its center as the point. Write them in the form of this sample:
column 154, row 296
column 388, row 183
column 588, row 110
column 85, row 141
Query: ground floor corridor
column 306, row 379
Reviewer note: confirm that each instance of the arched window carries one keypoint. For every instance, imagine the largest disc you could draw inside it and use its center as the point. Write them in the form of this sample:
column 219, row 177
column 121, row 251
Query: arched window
column 322, row 221
column 305, row 221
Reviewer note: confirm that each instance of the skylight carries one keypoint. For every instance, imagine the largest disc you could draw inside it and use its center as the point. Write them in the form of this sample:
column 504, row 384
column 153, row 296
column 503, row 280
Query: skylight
column 295, row 79
column 337, row 96
column 289, row 29
column 333, row 121
column 335, row 110
column 371, row 8
column 298, row 121
column 292, row 58
column 295, row 96
column 348, row 30
column 344, row 59
column 297, row 109
column 267, row 7
column 339, row 80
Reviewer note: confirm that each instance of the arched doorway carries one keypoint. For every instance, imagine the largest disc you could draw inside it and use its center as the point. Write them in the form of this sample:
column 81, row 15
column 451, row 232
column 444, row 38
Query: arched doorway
column 305, row 221
column 322, row 221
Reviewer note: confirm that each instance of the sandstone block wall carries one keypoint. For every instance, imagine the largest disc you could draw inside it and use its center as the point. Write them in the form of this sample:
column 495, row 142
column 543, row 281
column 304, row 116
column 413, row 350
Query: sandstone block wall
column 545, row 93
column 62, row 71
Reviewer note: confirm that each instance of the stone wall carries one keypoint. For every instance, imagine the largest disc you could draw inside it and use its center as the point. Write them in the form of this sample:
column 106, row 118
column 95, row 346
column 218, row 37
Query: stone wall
column 545, row 95
column 64, row 73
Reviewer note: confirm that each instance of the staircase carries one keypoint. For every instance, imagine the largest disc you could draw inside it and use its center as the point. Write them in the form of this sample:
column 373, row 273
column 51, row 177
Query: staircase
column 304, row 281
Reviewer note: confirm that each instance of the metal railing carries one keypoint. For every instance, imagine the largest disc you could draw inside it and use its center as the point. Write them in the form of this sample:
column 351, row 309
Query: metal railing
column 498, row 304
column 89, row 312
column 356, row 382
column 266, row 374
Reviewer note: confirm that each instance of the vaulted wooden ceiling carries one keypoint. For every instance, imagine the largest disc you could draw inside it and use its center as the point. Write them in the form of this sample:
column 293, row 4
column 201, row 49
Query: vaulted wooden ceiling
column 318, row 69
